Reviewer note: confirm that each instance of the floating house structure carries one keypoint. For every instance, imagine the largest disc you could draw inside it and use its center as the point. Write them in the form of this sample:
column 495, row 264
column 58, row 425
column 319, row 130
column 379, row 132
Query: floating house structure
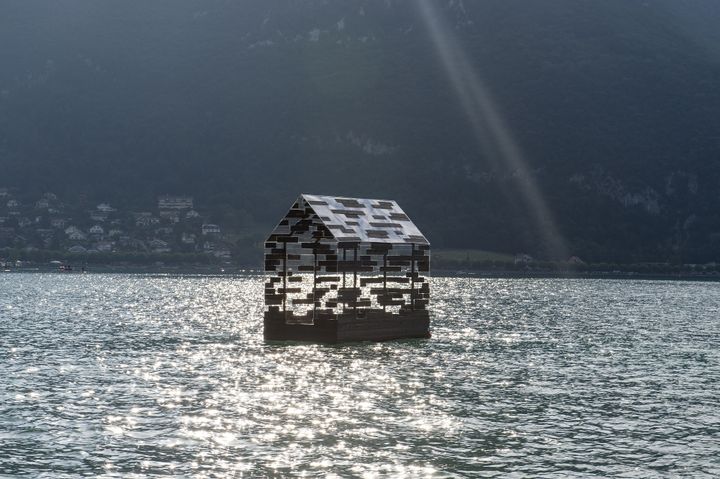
column 346, row 269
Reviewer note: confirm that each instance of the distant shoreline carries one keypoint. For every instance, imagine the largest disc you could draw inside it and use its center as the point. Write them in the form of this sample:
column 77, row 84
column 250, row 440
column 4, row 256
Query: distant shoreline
column 233, row 270
column 578, row 275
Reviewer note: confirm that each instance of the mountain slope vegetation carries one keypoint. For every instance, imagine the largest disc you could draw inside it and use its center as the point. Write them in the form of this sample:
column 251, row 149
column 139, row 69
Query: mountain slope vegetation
column 610, row 109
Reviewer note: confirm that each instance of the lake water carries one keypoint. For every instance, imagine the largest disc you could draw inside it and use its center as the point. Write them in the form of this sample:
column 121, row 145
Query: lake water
column 132, row 376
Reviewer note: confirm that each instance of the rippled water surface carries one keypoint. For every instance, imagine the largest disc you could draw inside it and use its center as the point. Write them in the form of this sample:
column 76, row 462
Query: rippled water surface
column 122, row 375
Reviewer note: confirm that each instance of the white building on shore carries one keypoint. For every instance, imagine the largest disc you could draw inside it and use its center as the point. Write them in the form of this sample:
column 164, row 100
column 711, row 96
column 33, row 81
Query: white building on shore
column 168, row 202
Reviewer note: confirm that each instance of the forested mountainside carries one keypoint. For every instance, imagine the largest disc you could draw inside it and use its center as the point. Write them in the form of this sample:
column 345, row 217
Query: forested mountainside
column 547, row 127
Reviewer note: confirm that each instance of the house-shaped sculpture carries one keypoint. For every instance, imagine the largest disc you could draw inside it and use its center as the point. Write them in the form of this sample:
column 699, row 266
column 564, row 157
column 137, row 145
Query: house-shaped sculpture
column 346, row 269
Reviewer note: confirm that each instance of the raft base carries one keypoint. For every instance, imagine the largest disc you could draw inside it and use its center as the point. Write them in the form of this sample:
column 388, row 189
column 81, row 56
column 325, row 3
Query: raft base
column 365, row 325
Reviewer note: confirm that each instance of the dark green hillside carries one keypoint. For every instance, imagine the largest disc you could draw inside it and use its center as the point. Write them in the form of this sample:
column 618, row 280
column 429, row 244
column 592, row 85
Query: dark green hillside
column 613, row 105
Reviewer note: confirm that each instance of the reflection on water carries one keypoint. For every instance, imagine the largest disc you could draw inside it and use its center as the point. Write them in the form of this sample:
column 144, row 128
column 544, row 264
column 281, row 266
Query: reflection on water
column 138, row 375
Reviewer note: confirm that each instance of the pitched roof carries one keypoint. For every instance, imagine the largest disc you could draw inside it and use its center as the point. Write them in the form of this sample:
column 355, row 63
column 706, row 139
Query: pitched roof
column 365, row 220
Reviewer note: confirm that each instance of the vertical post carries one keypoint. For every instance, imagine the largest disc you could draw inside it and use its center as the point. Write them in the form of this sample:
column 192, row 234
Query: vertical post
column 284, row 276
column 412, row 278
column 385, row 281
column 344, row 264
column 355, row 268
column 315, row 265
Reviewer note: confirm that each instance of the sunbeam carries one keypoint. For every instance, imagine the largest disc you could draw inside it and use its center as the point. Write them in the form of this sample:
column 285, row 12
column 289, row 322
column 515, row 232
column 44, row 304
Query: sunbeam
column 489, row 128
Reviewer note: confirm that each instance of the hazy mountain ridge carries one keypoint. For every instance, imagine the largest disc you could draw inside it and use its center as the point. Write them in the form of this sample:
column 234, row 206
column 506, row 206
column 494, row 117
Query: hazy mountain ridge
column 247, row 104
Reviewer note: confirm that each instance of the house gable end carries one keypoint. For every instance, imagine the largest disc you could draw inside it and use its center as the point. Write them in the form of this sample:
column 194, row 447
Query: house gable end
column 300, row 219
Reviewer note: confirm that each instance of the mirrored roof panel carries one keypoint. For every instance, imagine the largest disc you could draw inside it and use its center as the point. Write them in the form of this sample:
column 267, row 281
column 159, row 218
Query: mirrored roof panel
column 365, row 220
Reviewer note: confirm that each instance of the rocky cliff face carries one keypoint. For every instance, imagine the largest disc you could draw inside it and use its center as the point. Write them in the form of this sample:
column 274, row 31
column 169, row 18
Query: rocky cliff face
column 512, row 126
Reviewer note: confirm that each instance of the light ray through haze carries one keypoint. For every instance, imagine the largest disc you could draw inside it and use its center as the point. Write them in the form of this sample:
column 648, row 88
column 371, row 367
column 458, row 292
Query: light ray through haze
column 490, row 129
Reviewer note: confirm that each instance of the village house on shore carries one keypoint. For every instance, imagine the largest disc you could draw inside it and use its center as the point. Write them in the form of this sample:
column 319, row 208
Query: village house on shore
column 174, row 225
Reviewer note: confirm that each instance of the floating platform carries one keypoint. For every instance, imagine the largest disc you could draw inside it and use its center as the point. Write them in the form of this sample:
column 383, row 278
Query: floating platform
column 368, row 326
